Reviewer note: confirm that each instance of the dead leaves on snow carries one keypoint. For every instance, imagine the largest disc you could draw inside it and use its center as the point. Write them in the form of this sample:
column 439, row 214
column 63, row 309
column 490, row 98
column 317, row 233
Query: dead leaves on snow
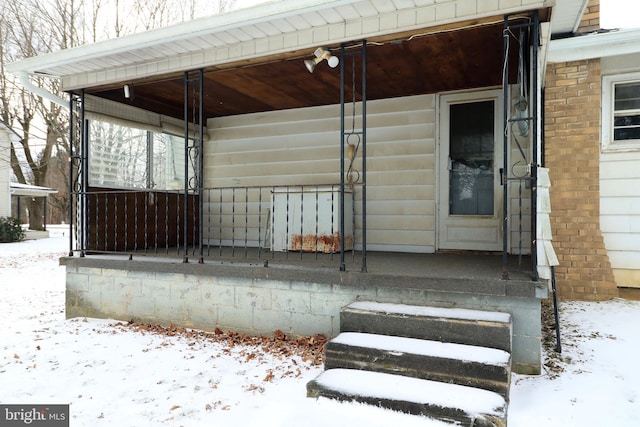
column 216, row 405
column 297, row 353
column 309, row 348
column 571, row 337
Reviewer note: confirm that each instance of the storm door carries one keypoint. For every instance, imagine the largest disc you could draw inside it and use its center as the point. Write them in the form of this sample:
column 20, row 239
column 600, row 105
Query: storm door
column 470, row 195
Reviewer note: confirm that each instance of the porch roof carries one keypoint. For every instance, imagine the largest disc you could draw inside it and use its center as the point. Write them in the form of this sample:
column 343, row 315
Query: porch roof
column 260, row 42
column 17, row 189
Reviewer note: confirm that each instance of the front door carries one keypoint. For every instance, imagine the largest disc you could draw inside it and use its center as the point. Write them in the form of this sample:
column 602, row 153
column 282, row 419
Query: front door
column 470, row 157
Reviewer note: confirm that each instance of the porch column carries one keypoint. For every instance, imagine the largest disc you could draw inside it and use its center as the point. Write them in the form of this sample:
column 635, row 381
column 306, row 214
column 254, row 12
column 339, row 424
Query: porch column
column 72, row 125
column 193, row 146
column 535, row 90
column 362, row 138
column 527, row 35
column 83, row 177
column 505, row 155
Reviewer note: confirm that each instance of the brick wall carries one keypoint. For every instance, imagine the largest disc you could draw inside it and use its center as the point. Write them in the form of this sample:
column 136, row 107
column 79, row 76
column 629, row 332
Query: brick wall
column 590, row 18
column 572, row 152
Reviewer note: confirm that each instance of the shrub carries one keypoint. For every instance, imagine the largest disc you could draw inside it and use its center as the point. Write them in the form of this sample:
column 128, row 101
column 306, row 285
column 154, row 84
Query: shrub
column 10, row 230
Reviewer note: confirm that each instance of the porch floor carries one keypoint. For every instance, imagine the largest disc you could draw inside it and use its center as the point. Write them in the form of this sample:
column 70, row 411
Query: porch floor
column 467, row 265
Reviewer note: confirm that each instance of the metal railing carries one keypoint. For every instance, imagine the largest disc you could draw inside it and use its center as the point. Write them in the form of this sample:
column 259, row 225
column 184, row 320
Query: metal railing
column 261, row 222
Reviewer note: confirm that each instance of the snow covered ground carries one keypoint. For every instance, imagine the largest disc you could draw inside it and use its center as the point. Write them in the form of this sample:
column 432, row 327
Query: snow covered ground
column 114, row 375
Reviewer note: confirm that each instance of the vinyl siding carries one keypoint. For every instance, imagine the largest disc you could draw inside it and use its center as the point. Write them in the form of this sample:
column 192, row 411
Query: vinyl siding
column 620, row 195
column 620, row 214
column 302, row 147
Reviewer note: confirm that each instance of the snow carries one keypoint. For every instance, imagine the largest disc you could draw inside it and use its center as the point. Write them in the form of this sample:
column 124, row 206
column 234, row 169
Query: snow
column 467, row 353
column 455, row 313
column 473, row 401
column 115, row 376
column 600, row 384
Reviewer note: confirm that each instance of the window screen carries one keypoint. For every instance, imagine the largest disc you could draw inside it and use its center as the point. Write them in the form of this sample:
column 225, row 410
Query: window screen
column 626, row 115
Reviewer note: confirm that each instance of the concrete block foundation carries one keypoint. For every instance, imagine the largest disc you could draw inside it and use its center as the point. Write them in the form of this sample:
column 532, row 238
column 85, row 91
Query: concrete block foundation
column 303, row 301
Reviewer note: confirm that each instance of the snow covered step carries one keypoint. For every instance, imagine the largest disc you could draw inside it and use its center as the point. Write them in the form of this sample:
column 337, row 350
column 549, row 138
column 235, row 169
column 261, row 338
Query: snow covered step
column 455, row 325
column 481, row 367
column 448, row 402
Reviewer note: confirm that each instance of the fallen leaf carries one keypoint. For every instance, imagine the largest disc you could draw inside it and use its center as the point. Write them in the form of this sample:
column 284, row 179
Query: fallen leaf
column 268, row 377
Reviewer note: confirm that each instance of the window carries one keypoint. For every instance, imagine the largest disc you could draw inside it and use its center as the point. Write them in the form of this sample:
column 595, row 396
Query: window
column 126, row 157
column 621, row 112
column 471, row 142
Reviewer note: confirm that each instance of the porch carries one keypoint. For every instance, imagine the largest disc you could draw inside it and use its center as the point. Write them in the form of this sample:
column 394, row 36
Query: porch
column 242, row 192
column 300, row 293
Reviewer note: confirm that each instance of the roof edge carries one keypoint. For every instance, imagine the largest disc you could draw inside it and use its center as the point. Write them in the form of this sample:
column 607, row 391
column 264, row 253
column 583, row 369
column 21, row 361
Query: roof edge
column 17, row 189
column 595, row 45
column 254, row 14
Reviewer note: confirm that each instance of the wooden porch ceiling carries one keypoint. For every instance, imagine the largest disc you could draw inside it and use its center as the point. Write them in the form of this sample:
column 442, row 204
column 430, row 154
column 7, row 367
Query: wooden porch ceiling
column 444, row 61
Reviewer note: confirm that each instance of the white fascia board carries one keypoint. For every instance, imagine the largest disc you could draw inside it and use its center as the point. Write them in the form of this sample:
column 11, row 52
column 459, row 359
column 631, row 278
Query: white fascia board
column 595, row 45
column 235, row 19
column 18, row 189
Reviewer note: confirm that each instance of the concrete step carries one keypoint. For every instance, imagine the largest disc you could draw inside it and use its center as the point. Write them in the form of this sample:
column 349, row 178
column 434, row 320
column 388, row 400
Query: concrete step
column 448, row 402
column 473, row 366
column 453, row 325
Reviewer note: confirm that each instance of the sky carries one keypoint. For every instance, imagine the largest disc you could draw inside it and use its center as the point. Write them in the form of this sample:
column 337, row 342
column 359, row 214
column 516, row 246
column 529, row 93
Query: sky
column 619, row 13
column 613, row 13
column 114, row 375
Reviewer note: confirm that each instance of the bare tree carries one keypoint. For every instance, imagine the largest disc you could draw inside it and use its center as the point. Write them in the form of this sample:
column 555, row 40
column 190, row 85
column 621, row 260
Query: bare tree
column 32, row 27
column 39, row 124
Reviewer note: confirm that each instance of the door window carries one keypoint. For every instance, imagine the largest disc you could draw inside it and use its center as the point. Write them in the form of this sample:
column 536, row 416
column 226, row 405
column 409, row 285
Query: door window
column 471, row 149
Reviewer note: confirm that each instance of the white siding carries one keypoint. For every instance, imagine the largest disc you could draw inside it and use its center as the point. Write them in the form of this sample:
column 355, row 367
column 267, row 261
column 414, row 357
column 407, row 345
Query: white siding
column 302, row 147
column 620, row 195
column 620, row 214
column 5, row 198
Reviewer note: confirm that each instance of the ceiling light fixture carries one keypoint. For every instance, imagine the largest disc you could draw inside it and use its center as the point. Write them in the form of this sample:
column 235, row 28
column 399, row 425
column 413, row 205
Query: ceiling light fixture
column 320, row 54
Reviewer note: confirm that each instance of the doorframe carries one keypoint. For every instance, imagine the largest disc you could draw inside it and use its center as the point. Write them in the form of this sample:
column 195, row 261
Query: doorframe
column 493, row 93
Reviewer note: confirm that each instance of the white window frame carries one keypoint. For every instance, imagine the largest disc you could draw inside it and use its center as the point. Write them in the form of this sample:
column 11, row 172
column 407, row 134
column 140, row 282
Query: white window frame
column 148, row 183
column 608, row 110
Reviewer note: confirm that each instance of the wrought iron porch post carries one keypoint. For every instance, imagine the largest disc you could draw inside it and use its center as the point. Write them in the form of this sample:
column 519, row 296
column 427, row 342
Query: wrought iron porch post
column 532, row 120
column 71, row 158
column 201, row 164
column 364, row 156
column 196, row 84
column 362, row 134
column 505, row 149
column 84, row 177
column 185, row 258
column 534, row 167
column 341, row 214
